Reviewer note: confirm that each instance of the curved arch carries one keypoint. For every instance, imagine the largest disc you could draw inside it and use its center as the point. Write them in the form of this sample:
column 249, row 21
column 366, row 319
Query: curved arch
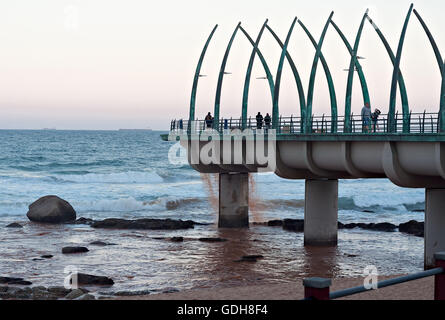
column 441, row 64
column 358, row 66
column 221, row 77
column 395, row 75
column 255, row 51
column 332, row 93
column 352, row 64
column 310, row 91
column 294, row 72
column 275, row 111
column 402, row 87
column 196, row 78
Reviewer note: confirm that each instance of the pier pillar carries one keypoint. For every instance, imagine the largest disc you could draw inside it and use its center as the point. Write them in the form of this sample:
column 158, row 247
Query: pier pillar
column 321, row 212
column 434, row 224
column 233, row 200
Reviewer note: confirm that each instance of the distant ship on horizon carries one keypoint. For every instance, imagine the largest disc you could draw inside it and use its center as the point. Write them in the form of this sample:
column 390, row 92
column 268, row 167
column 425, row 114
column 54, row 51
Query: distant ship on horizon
column 146, row 129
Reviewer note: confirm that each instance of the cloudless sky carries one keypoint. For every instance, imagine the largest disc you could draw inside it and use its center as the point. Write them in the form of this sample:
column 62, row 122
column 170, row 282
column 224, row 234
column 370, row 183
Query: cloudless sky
column 109, row 64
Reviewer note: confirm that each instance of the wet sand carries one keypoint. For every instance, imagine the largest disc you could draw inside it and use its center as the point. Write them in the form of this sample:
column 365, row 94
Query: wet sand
column 422, row 289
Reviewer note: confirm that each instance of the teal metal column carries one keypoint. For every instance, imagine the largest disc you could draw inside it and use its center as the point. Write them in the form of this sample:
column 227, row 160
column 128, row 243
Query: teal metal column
column 402, row 87
column 276, row 96
column 196, row 78
column 221, row 77
column 255, row 51
column 333, row 97
column 294, row 69
column 310, row 91
column 352, row 65
column 358, row 67
column 395, row 75
column 440, row 62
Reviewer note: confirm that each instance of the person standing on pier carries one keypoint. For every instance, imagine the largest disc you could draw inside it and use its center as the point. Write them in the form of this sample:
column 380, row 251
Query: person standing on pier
column 267, row 120
column 259, row 120
column 209, row 120
column 366, row 118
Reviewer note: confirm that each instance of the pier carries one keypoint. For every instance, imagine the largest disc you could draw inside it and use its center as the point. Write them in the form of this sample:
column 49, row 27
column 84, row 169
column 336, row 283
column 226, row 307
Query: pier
column 405, row 147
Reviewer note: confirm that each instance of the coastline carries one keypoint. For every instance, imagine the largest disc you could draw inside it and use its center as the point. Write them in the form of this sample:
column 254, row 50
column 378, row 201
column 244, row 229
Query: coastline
column 422, row 289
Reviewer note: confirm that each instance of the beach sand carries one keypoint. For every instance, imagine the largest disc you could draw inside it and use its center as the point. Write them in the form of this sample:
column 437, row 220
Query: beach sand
column 422, row 289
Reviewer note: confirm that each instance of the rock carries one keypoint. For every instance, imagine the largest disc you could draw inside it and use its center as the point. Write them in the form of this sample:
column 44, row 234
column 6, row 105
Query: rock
column 60, row 292
column 132, row 293
column 51, row 209
column 101, row 243
column 69, row 250
column 47, row 256
column 86, row 221
column 293, row 225
column 4, row 288
column 177, row 239
column 86, row 297
column 17, row 281
column 88, row 279
column 76, row 293
column 17, row 293
column 275, row 223
column 349, row 255
column 368, row 211
column 340, row 225
column 250, row 258
column 144, row 224
column 212, row 239
column 384, row 226
column 38, row 259
column 413, row 227
column 14, row 225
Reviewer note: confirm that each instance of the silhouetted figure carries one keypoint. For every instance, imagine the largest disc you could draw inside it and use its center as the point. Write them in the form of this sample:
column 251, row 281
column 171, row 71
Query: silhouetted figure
column 267, row 120
column 375, row 118
column 209, row 120
column 259, row 120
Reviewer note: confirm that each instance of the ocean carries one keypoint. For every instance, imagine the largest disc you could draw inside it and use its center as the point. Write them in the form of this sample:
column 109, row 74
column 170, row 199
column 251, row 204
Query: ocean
column 127, row 174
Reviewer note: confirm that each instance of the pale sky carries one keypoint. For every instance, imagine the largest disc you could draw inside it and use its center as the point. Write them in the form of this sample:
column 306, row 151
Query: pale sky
column 109, row 64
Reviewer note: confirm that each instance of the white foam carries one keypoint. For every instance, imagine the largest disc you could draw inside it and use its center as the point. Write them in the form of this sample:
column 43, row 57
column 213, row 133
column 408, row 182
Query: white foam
column 121, row 177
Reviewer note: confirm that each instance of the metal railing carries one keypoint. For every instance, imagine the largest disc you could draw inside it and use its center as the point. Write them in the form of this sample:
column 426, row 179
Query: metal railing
column 318, row 288
column 414, row 123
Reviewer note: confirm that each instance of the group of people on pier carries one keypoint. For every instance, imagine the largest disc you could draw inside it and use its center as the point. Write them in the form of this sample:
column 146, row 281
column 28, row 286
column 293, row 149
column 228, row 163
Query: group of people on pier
column 369, row 119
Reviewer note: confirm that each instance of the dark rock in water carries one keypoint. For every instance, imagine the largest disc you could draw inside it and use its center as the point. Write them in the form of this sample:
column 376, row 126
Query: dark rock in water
column 86, row 221
column 88, row 279
column 212, row 239
column 413, row 227
column 14, row 225
column 384, row 226
column 340, row 225
column 101, row 243
column 68, row 250
column 144, row 224
column 293, row 225
column 16, row 281
column 38, row 259
column 250, row 258
column 47, row 256
column 86, row 297
column 60, row 292
column 368, row 211
column 349, row 255
column 275, row 223
column 51, row 209
column 132, row 293
column 177, row 239
column 76, row 293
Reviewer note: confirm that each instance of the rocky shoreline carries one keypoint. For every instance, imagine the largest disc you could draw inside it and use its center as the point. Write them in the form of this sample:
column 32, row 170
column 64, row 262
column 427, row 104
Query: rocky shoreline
column 61, row 212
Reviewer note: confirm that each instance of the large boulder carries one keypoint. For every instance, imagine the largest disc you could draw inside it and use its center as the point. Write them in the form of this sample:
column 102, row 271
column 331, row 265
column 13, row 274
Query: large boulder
column 413, row 227
column 51, row 209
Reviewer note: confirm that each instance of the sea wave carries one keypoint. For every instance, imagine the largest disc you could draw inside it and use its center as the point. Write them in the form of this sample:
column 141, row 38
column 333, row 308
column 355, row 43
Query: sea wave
column 120, row 177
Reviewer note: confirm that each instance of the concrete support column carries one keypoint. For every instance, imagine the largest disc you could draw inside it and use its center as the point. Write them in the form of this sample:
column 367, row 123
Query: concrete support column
column 321, row 213
column 434, row 224
column 233, row 200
